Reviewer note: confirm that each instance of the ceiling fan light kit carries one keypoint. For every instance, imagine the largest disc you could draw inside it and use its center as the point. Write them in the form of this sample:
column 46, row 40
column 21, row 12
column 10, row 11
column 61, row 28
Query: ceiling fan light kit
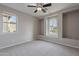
column 40, row 7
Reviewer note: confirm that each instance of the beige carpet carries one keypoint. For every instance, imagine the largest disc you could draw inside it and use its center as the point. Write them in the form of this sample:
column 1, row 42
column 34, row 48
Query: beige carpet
column 39, row 48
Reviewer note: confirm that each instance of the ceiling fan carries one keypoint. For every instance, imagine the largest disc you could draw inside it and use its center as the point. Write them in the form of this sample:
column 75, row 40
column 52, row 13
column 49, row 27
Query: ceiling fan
column 40, row 7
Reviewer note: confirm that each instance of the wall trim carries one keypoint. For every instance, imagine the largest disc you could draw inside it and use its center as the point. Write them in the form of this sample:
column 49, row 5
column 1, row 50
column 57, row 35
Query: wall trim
column 43, row 38
column 11, row 45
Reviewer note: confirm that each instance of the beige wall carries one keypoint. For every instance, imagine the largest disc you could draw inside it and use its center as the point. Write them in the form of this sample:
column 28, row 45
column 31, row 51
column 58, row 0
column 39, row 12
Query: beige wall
column 27, row 29
column 42, row 27
column 71, row 25
column 1, row 24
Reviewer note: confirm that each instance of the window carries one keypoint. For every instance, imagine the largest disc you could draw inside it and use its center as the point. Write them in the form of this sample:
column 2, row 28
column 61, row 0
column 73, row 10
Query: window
column 52, row 26
column 7, row 23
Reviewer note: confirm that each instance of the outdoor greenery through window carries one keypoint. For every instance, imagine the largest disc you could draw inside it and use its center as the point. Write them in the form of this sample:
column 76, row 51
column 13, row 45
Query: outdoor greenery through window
column 9, row 23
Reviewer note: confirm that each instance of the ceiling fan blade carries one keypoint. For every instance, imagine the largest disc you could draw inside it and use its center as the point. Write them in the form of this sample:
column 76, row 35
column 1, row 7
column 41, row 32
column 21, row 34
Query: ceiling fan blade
column 35, row 11
column 43, row 10
column 31, row 6
column 47, row 5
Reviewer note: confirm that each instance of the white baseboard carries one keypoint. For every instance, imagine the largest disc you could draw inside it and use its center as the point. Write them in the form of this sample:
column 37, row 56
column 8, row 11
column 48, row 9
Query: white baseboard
column 64, row 41
column 14, row 44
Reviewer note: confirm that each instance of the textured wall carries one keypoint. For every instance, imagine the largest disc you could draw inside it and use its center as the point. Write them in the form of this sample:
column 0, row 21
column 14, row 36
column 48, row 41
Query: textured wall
column 71, row 25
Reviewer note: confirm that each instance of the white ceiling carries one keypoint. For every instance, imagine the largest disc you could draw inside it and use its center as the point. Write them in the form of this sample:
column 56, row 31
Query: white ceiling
column 55, row 7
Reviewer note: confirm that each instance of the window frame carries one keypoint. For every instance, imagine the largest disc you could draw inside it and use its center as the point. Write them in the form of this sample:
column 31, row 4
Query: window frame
column 47, row 25
column 10, row 14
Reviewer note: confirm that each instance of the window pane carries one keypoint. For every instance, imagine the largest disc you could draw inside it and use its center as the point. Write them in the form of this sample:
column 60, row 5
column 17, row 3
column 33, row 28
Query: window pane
column 5, row 27
column 11, row 27
column 9, row 24
column 12, row 19
column 5, row 19
column 53, row 26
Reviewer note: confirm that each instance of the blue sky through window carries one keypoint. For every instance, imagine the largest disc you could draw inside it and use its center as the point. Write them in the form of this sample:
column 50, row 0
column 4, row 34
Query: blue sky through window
column 13, row 19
